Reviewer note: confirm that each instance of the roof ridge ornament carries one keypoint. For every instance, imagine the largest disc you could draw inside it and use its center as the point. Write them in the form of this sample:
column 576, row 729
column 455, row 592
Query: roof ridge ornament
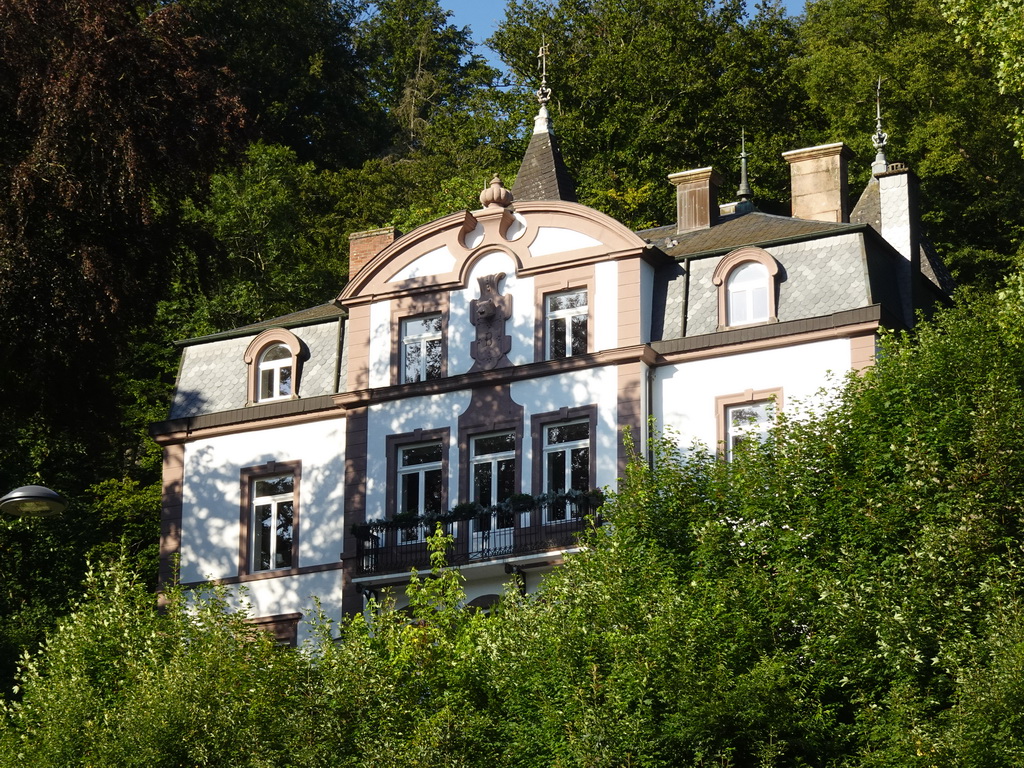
column 542, row 123
column 744, row 193
column 881, row 138
column 543, row 93
column 495, row 195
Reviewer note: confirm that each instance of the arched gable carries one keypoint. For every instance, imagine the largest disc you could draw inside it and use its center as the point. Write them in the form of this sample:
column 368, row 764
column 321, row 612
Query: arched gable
column 537, row 235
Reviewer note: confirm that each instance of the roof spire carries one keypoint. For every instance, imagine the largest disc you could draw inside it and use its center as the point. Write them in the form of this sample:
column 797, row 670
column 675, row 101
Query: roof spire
column 744, row 193
column 880, row 139
column 543, row 175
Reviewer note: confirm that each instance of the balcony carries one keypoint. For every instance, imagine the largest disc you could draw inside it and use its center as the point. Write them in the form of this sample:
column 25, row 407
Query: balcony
column 524, row 525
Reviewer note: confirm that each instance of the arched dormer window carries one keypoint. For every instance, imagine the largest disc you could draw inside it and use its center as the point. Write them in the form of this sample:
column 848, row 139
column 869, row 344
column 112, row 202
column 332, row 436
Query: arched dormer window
column 273, row 361
column 747, row 288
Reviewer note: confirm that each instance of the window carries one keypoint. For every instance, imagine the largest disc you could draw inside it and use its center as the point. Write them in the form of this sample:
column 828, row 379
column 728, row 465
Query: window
column 273, row 520
column 746, row 422
column 567, row 457
column 420, row 486
column 422, row 349
column 275, row 371
column 493, row 468
column 273, row 359
column 566, row 462
column 747, row 282
column 417, row 479
column 565, row 317
column 747, row 294
column 284, row 627
column 746, row 416
column 270, row 517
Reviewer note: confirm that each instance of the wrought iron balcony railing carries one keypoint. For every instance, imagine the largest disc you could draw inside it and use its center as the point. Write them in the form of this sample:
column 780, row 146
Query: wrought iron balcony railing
column 522, row 526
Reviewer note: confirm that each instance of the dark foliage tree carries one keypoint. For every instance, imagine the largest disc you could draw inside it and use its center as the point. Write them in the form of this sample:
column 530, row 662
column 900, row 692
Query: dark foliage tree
column 298, row 73
column 111, row 113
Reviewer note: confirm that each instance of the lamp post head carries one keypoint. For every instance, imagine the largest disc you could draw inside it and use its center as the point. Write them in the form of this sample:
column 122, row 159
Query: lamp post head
column 33, row 501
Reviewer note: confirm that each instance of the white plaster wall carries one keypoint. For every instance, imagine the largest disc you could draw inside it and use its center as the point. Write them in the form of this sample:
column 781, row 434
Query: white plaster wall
column 595, row 386
column 684, row 394
column 605, row 300
column 212, row 495
column 551, row 240
column 399, row 417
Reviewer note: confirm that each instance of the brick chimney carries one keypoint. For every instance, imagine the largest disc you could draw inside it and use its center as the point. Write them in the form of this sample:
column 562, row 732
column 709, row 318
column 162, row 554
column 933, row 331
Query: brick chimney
column 696, row 198
column 363, row 246
column 819, row 181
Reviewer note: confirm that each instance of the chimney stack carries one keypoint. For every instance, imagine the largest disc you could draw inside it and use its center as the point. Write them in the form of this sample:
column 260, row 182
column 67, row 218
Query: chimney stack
column 819, row 181
column 363, row 246
column 696, row 198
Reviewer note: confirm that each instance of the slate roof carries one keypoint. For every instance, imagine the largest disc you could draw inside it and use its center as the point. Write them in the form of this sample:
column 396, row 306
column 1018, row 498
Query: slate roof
column 756, row 228
column 321, row 313
column 543, row 175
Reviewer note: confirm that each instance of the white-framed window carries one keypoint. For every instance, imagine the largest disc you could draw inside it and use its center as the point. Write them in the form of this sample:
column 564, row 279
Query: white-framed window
column 747, row 294
column 747, row 421
column 565, row 319
column 567, row 457
column 493, row 467
column 275, row 373
column 566, row 463
column 272, row 525
column 420, row 486
column 422, row 348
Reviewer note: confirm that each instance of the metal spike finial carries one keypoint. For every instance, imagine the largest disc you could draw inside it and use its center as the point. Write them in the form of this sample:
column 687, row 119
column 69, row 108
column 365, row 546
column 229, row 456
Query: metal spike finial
column 744, row 193
column 881, row 138
column 543, row 93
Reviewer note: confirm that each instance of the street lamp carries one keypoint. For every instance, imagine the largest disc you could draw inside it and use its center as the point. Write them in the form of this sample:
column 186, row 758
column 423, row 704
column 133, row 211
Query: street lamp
column 33, row 501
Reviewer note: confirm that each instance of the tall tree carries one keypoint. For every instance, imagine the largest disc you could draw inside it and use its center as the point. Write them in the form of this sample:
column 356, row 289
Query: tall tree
column 421, row 68
column 298, row 73
column 111, row 113
column 993, row 31
column 942, row 110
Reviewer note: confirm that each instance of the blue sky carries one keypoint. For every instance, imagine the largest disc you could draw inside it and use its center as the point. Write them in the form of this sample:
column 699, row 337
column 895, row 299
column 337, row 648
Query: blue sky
column 482, row 16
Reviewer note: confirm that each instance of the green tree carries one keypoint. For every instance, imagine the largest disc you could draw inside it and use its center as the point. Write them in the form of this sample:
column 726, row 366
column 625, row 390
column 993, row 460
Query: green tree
column 270, row 239
column 295, row 65
column 421, row 69
column 942, row 110
column 993, row 30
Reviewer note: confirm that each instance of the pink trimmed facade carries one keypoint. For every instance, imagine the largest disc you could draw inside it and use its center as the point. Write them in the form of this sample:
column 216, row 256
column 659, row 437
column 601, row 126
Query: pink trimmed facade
column 481, row 372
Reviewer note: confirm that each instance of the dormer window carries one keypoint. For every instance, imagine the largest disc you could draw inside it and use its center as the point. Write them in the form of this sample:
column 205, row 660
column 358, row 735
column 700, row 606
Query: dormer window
column 747, row 288
column 275, row 371
column 274, row 360
column 747, row 294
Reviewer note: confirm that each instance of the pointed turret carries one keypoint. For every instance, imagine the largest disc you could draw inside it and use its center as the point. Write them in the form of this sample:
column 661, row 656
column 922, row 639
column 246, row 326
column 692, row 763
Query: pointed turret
column 543, row 175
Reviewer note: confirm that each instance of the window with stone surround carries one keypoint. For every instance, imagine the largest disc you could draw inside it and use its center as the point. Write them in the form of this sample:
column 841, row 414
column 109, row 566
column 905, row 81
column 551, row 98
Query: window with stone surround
column 270, row 517
column 747, row 288
column 565, row 324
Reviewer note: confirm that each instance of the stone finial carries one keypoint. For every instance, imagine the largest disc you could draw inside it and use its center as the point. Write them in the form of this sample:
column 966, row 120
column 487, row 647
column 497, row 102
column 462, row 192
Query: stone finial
column 496, row 196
